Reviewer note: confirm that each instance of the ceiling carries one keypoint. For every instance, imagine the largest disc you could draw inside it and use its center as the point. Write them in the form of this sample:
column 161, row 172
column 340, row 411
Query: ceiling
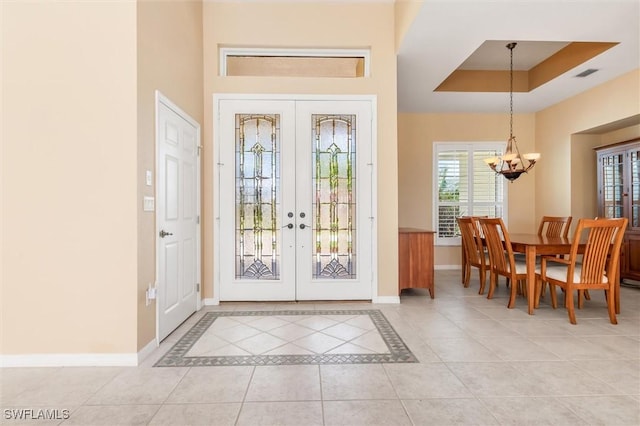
column 472, row 34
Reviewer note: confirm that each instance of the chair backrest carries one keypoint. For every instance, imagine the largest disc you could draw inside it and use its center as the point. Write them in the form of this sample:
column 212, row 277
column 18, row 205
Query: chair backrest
column 496, row 236
column 602, row 250
column 554, row 226
column 471, row 239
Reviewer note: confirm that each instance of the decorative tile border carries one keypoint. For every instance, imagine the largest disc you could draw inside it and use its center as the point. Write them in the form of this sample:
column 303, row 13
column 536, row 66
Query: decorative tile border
column 176, row 356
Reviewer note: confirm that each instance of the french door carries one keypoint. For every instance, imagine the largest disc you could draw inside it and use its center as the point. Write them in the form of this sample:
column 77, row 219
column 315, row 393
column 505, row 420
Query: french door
column 295, row 200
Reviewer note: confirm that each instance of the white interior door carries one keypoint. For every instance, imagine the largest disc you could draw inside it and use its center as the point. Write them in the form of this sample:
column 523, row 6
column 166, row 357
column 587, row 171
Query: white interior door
column 295, row 200
column 177, row 217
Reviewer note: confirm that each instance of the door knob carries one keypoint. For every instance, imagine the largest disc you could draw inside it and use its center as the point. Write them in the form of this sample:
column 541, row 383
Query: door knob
column 302, row 226
column 164, row 233
column 288, row 225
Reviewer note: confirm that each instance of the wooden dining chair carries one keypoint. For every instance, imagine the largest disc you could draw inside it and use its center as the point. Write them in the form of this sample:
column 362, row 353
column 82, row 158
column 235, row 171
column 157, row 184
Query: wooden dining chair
column 501, row 258
column 596, row 269
column 475, row 254
column 554, row 226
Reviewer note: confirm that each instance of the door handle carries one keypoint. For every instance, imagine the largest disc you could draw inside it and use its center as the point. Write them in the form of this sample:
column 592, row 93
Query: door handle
column 288, row 225
column 302, row 226
column 164, row 233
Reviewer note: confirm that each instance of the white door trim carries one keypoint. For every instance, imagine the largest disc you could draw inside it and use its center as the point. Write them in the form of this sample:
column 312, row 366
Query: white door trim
column 162, row 99
column 217, row 97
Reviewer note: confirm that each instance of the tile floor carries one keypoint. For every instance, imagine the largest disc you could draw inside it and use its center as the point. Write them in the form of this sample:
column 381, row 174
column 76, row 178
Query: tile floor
column 288, row 337
column 479, row 363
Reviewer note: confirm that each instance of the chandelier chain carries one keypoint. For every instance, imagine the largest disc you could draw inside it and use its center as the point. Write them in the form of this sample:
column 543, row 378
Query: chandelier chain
column 511, row 46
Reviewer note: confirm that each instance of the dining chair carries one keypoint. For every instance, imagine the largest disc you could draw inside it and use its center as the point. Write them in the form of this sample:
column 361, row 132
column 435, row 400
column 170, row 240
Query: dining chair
column 554, row 226
column 475, row 255
column 595, row 269
column 501, row 258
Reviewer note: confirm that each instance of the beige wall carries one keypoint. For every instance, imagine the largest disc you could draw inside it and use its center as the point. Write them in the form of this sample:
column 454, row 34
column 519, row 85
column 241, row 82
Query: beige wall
column 560, row 133
column 416, row 136
column 584, row 202
column 621, row 135
column 320, row 25
column 405, row 13
column 69, row 172
column 556, row 127
column 169, row 60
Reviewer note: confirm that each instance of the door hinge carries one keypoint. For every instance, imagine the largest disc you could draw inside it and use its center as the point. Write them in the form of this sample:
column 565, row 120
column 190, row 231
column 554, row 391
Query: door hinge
column 198, row 219
column 198, row 287
column 200, row 148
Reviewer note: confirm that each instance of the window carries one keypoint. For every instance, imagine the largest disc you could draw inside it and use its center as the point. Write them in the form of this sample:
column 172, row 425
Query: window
column 263, row 62
column 465, row 186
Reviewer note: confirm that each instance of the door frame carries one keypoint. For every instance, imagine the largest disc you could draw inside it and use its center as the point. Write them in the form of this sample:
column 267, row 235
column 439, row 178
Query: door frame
column 160, row 98
column 217, row 98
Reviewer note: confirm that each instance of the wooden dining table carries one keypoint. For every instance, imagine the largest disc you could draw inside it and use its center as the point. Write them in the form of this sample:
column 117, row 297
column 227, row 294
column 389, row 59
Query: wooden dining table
column 533, row 245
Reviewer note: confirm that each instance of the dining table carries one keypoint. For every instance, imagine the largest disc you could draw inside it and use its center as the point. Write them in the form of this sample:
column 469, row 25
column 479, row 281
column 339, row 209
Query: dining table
column 533, row 245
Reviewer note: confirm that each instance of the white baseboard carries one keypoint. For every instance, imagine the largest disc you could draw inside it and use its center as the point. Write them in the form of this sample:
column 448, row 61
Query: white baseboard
column 446, row 267
column 147, row 350
column 386, row 299
column 213, row 301
column 78, row 360
column 69, row 360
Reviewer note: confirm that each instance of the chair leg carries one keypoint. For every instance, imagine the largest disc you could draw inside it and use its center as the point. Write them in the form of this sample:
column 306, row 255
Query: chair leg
column 616, row 284
column 493, row 278
column 570, row 308
column 554, row 296
column 522, row 288
column 466, row 274
column 483, row 279
column 512, row 294
column 580, row 298
column 538, row 293
column 611, row 305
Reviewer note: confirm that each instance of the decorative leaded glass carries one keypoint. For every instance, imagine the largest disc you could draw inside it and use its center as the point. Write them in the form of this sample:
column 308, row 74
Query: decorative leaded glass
column 257, row 153
column 334, row 200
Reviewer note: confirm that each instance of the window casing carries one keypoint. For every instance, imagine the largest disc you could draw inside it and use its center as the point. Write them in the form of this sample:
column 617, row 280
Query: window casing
column 463, row 185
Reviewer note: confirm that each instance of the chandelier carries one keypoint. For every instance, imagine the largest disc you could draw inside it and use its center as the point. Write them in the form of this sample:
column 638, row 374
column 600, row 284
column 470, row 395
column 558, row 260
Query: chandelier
column 511, row 165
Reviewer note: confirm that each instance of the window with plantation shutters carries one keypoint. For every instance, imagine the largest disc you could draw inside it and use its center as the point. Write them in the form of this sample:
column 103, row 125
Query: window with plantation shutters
column 465, row 186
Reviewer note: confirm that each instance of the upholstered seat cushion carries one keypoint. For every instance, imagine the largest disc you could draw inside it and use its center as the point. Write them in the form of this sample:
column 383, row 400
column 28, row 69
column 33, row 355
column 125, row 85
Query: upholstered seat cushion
column 559, row 272
column 521, row 267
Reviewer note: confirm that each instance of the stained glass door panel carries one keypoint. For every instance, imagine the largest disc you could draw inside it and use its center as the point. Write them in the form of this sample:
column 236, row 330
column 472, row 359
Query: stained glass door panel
column 257, row 188
column 295, row 205
column 334, row 198
column 334, row 191
column 256, row 165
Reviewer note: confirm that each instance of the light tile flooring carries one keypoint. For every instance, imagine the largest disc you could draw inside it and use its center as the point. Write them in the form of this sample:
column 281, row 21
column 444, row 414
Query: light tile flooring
column 479, row 363
column 288, row 337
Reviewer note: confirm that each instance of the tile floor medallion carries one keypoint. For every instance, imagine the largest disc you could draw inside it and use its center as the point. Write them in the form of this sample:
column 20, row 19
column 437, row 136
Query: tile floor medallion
column 289, row 338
